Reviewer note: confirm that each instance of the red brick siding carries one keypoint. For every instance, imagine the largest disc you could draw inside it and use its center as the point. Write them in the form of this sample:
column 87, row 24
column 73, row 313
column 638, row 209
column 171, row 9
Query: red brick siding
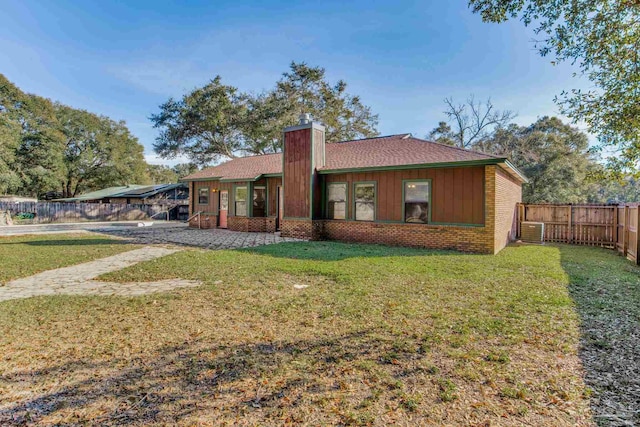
column 507, row 194
column 300, row 228
column 254, row 225
column 205, row 221
column 461, row 238
column 489, row 203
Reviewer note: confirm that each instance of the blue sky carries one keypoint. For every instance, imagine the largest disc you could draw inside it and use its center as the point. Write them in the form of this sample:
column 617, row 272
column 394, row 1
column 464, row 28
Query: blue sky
column 123, row 59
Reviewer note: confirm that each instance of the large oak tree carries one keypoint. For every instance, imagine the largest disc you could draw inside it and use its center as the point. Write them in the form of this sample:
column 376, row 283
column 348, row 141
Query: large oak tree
column 218, row 121
column 48, row 147
column 601, row 37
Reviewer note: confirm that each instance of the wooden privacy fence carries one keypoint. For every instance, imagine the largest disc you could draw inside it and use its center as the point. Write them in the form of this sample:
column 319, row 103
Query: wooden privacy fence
column 47, row 212
column 610, row 226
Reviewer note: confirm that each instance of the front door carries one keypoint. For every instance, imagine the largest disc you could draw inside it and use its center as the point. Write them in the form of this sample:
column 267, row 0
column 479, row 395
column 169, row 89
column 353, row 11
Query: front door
column 280, row 208
column 224, row 208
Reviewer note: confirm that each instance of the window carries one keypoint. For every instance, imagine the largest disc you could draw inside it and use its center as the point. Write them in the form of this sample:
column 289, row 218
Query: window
column 259, row 201
column 337, row 201
column 203, row 196
column 416, row 201
column 240, row 201
column 365, row 201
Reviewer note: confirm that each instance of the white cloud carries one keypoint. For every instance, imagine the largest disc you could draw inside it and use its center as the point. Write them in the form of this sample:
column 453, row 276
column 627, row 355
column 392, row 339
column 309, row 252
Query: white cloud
column 154, row 159
column 162, row 78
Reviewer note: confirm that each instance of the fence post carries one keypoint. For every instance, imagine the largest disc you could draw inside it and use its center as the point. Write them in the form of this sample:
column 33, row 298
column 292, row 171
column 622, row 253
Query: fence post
column 614, row 231
column 521, row 217
column 625, row 230
column 570, row 233
column 637, row 243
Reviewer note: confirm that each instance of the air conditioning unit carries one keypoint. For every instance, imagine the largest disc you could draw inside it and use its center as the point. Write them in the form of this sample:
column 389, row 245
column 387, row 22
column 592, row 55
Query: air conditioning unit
column 532, row 232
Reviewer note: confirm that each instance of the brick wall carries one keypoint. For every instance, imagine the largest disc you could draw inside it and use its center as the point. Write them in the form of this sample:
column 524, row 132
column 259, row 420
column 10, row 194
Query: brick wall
column 300, row 228
column 461, row 238
column 254, row 225
column 262, row 225
column 206, row 221
column 508, row 194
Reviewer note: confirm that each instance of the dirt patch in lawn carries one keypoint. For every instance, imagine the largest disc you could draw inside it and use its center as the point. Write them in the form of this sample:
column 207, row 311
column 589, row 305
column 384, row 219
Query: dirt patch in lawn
column 606, row 289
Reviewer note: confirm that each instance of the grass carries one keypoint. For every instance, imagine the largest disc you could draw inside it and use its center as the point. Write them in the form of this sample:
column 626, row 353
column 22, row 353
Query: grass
column 379, row 336
column 24, row 256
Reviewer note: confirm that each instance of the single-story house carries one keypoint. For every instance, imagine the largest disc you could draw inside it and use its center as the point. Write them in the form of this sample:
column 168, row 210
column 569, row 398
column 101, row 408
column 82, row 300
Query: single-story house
column 396, row 190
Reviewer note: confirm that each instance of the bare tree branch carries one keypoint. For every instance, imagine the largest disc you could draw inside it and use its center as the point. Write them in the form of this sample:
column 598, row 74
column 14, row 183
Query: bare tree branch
column 471, row 123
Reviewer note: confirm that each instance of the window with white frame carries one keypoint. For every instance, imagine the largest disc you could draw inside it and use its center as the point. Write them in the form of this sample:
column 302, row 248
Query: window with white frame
column 240, row 201
column 416, row 201
column 337, row 200
column 365, row 201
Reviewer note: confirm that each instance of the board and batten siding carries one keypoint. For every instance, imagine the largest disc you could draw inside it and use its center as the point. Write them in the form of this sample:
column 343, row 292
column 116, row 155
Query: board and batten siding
column 272, row 184
column 297, row 173
column 212, row 206
column 318, row 162
column 457, row 194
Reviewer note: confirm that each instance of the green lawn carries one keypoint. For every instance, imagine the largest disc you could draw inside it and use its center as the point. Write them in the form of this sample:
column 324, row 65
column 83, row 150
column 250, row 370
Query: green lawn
column 23, row 256
column 378, row 336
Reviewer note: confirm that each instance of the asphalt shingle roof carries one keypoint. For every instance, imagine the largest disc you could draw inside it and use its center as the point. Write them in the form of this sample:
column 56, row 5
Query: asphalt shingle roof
column 384, row 151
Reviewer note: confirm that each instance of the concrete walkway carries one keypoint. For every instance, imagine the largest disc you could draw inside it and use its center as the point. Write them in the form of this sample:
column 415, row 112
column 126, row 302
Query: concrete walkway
column 78, row 279
column 75, row 227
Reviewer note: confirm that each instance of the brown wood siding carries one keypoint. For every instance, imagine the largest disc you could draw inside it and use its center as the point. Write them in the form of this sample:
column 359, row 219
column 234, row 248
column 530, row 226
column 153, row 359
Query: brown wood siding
column 211, row 206
column 191, row 199
column 457, row 194
column 272, row 184
column 318, row 162
column 214, row 197
column 297, row 173
column 318, row 149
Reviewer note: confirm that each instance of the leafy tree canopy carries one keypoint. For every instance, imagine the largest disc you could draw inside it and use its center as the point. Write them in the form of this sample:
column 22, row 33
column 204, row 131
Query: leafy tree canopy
column 603, row 38
column 218, row 121
column 160, row 174
column 48, row 147
column 553, row 155
column 184, row 169
column 204, row 125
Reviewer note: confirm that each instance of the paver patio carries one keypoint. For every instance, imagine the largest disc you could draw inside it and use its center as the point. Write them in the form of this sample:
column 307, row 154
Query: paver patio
column 78, row 279
column 181, row 234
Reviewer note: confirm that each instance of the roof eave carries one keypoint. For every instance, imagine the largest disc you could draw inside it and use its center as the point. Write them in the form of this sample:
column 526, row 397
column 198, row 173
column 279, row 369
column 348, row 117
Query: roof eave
column 516, row 172
column 481, row 162
column 187, row 179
